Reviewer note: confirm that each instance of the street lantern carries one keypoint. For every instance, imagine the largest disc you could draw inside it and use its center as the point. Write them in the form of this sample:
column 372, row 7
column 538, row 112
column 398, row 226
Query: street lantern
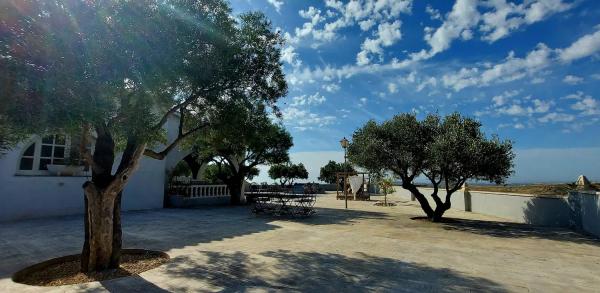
column 344, row 143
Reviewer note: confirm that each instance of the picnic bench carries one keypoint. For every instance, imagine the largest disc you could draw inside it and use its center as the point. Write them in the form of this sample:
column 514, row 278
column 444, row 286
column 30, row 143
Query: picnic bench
column 296, row 201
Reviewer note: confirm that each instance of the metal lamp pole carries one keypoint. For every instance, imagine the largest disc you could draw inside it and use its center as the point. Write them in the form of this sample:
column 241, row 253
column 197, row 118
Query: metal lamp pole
column 344, row 144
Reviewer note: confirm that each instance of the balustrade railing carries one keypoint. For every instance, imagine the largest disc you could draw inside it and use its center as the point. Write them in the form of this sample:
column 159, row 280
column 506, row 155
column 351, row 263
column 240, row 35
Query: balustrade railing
column 199, row 191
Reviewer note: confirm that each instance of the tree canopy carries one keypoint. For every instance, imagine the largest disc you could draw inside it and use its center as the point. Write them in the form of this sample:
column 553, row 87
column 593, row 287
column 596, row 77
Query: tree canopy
column 448, row 151
column 327, row 172
column 286, row 173
column 246, row 138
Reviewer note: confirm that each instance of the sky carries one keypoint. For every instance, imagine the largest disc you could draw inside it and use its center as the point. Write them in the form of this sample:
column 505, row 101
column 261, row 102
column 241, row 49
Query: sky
column 528, row 70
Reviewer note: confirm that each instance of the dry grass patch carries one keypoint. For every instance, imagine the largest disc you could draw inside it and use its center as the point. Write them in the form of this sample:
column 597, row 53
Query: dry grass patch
column 535, row 189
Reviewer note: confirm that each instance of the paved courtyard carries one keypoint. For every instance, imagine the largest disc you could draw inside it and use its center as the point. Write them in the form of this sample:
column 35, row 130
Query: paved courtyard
column 366, row 248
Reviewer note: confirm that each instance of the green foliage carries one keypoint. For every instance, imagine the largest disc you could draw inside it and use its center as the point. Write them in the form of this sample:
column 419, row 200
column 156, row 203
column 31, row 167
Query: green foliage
column 386, row 185
column 449, row 150
column 327, row 172
column 122, row 65
column 217, row 174
column 248, row 134
column 181, row 169
column 453, row 149
column 246, row 138
column 287, row 173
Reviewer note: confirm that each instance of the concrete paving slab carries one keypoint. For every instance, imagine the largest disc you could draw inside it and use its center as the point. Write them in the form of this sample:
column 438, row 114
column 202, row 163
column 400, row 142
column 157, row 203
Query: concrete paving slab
column 365, row 248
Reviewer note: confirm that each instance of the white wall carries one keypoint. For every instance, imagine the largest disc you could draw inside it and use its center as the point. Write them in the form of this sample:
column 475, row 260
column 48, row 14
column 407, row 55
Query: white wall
column 586, row 211
column 521, row 208
column 41, row 196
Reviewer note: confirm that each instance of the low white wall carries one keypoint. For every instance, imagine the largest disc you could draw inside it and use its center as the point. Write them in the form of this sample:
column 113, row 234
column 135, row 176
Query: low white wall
column 586, row 211
column 24, row 197
column 522, row 208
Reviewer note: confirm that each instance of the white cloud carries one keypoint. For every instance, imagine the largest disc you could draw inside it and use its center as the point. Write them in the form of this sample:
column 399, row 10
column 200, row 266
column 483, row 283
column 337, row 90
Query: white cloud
column 366, row 25
column 503, row 98
column 387, row 35
column 332, row 87
column 329, row 73
column 323, row 28
column 362, row 102
column 506, row 17
column 500, row 19
column 572, row 79
column 433, row 13
column 585, row 46
column 276, row 3
column 315, row 99
column 540, row 106
column 596, row 76
column 556, row 117
column 289, row 55
column 392, row 88
column 431, row 82
column 463, row 16
column 303, row 119
column 587, row 106
column 512, row 68
column 513, row 110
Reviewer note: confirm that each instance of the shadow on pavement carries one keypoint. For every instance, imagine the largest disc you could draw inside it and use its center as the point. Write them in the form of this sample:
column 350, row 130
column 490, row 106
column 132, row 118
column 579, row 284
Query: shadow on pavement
column 316, row 272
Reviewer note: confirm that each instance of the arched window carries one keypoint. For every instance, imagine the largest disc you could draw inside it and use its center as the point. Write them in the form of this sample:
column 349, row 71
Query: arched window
column 53, row 149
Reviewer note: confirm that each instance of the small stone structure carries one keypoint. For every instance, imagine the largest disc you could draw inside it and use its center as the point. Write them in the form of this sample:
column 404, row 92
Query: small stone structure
column 583, row 183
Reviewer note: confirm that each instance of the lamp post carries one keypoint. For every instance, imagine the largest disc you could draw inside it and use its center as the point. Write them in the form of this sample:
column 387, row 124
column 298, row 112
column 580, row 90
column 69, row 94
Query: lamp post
column 344, row 143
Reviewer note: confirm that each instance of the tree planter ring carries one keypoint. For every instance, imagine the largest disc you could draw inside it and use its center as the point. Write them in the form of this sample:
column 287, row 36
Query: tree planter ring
column 22, row 275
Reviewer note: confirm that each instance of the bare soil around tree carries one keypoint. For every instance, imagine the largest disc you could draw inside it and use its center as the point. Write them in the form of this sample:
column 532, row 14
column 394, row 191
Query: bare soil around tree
column 66, row 270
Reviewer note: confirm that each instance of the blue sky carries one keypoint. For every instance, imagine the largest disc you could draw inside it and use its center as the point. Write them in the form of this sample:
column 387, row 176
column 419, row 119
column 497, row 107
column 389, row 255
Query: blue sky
column 528, row 70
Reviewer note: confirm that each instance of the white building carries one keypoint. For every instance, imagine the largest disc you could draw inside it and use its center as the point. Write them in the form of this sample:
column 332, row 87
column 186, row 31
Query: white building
column 29, row 190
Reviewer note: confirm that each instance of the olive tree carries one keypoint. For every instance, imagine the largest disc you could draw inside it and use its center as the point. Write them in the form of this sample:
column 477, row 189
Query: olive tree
column 447, row 151
column 114, row 72
column 327, row 172
column 286, row 173
column 245, row 139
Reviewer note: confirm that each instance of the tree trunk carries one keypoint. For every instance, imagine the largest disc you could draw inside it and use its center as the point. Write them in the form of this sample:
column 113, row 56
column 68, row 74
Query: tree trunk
column 117, row 239
column 235, row 185
column 439, row 212
column 101, row 211
column 442, row 207
column 104, row 155
column 192, row 162
column 103, row 234
column 425, row 206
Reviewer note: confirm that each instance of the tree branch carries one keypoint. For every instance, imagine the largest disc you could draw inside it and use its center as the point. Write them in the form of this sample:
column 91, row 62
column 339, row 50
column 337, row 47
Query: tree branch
column 162, row 154
column 128, row 164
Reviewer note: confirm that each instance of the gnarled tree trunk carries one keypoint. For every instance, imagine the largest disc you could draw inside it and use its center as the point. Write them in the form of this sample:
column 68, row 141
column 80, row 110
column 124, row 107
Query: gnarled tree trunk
column 103, row 234
column 101, row 207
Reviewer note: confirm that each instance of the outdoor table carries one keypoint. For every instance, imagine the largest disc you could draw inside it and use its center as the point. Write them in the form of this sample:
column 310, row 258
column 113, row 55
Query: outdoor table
column 283, row 203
